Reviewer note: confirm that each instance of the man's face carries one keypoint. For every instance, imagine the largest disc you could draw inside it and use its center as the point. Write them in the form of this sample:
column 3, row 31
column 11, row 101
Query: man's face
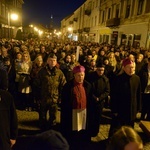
column 42, row 49
column 79, row 77
column 52, row 62
column 100, row 71
column 130, row 69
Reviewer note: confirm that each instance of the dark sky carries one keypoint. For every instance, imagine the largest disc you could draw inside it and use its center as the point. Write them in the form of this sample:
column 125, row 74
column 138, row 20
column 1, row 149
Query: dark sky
column 40, row 11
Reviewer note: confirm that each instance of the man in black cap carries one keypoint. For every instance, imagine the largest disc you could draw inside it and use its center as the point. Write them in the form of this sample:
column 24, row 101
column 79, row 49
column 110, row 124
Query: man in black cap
column 101, row 91
column 49, row 84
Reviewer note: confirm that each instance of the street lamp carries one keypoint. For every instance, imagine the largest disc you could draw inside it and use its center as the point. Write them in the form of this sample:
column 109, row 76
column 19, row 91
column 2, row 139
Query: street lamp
column 13, row 17
column 70, row 29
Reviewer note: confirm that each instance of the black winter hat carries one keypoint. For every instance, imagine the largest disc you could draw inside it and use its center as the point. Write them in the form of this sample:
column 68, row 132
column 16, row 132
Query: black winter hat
column 100, row 65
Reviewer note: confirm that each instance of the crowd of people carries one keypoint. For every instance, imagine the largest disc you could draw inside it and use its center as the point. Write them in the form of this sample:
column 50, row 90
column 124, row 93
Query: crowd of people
column 45, row 75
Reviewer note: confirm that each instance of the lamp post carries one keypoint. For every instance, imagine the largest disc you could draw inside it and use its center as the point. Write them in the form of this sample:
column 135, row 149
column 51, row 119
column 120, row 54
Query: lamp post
column 70, row 29
column 11, row 17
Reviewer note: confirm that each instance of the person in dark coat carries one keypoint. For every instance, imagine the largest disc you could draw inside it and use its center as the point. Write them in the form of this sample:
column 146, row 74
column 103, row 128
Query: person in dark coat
column 126, row 97
column 77, row 108
column 8, row 120
column 101, row 91
column 145, row 85
column 3, row 79
column 11, row 75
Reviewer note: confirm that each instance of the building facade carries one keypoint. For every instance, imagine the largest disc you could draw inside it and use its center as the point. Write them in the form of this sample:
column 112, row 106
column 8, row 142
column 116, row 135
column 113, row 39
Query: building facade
column 10, row 26
column 118, row 22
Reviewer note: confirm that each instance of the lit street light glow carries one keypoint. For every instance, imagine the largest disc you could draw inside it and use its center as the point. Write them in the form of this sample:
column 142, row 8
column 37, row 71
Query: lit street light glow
column 14, row 16
column 70, row 29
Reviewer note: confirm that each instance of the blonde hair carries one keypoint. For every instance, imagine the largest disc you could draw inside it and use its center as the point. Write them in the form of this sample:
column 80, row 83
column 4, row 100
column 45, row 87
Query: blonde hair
column 112, row 59
column 124, row 136
column 26, row 53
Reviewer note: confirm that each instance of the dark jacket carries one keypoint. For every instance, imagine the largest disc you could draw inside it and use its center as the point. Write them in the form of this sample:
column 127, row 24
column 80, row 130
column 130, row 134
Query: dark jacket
column 3, row 79
column 66, row 108
column 100, row 85
column 100, row 90
column 126, row 97
column 8, row 120
column 144, row 76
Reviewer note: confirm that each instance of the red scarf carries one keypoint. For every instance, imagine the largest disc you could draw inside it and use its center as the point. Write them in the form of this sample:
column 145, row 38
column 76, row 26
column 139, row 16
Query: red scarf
column 79, row 96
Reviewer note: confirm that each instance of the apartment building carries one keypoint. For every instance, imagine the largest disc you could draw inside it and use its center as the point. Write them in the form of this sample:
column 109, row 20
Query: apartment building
column 10, row 18
column 119, row 22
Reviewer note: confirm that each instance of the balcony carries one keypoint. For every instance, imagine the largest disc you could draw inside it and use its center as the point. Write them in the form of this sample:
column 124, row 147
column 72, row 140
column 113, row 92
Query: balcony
column 75, row 19
column 88, row 12
column 113, row 22
column 87, row 29
column 80, row 30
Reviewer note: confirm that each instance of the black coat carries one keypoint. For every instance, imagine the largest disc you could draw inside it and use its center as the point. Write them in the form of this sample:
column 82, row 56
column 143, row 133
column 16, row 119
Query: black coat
column 101, row 90
column 100, row 85
column 126, row 97
column 144, row 76
column 66, row 108
column 8, row 120
column 3, row 79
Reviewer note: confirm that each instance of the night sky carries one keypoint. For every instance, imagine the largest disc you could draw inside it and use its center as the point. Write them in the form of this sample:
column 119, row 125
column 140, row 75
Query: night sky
column 40, row 11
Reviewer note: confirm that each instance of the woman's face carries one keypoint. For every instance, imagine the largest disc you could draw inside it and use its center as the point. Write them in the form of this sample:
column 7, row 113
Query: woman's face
column 68, row 59
column 39, row 62
column 19, row 56
column 25, row 57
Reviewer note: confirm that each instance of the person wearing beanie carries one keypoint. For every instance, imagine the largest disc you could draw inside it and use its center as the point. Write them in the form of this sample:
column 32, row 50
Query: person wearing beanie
column 125, row 97
column 77, row 108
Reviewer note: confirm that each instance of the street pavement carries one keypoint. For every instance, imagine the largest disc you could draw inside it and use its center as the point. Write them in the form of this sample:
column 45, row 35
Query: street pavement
column 28, row 125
